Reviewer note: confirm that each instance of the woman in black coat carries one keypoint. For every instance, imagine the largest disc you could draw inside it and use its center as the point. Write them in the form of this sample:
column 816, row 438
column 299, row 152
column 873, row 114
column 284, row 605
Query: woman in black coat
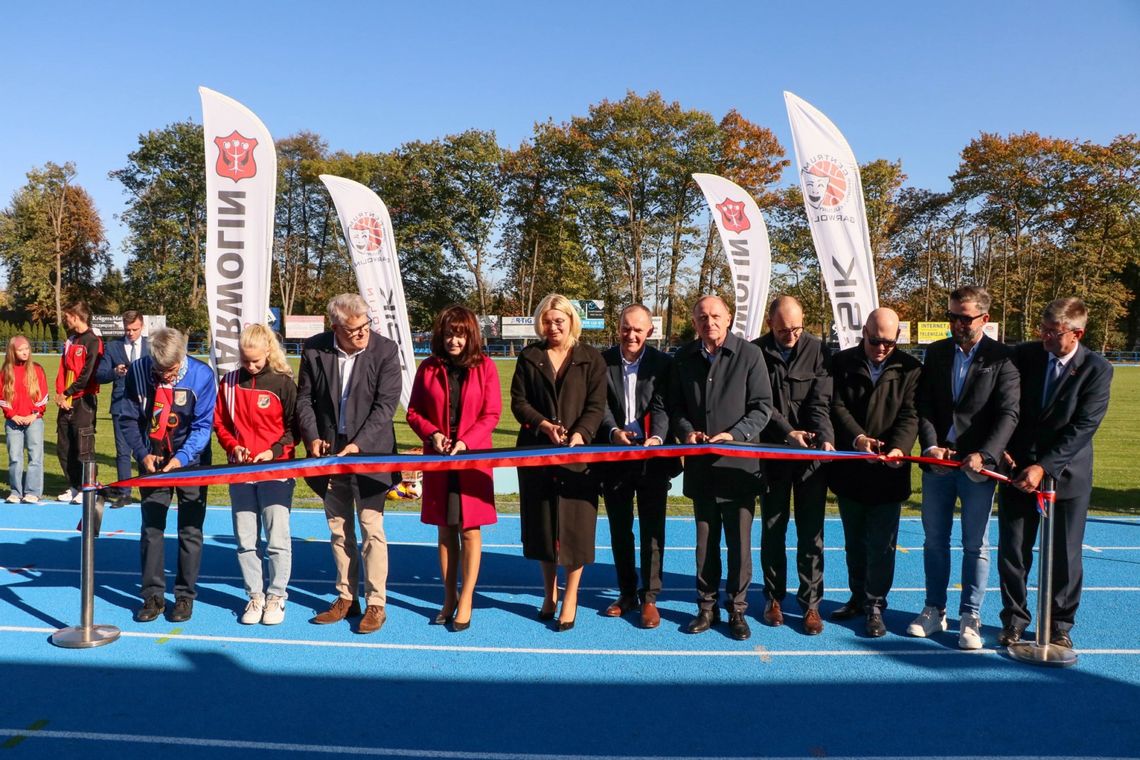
column 558, row 394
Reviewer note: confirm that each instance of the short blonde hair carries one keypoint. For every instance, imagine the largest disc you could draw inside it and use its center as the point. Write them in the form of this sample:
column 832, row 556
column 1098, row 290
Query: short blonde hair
column 556, row 302
column 260, row 336
column 167, row 348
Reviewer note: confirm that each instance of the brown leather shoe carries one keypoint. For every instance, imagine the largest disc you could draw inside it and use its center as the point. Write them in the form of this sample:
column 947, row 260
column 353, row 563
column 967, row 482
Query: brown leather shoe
column 813, row 625
column 373, row 619
column 650, row 617
column 773, row 615
column 623, row 605
column 342, row 608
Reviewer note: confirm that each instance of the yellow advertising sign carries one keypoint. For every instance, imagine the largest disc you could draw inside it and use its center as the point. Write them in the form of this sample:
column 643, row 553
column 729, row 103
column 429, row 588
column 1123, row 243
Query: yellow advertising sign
column 928, row 332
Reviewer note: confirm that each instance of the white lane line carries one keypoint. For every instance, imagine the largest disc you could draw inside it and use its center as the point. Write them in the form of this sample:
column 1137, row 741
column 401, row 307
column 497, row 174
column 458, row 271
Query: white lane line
column 205, row 578
column 933, row 651
column 325, row 749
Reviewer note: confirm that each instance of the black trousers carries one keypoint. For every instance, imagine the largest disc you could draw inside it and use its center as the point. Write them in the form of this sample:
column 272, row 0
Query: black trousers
column 75, row 438
column 1018, row 524
column 775, row 510
column 191, row 515
column 736, row 520
column 651, row 493
column 870, row 533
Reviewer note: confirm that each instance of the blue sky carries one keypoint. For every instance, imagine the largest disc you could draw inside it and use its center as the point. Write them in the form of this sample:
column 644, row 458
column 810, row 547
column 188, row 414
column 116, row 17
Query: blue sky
column 903, row 80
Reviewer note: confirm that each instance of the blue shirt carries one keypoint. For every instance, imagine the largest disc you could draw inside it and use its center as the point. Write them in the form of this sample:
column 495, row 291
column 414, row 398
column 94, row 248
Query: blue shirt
column 958, row 374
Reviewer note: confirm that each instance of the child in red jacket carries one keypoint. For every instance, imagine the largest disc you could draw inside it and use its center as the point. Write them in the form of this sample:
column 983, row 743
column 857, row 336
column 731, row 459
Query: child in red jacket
column 24, row 397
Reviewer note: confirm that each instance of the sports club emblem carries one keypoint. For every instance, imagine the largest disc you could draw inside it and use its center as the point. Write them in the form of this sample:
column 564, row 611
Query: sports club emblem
column 263, row 401
column 235, row 156
column 180, row 398
column 732, row 215
column 366, row 233
column 156, row 417
column 824, row 183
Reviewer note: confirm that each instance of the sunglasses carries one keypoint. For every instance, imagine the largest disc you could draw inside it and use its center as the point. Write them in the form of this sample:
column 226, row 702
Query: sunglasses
column 882, row 342
column 962, row 319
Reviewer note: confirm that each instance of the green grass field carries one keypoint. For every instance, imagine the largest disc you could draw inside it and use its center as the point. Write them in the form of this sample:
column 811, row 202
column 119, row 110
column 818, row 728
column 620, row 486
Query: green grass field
column 1117, row 486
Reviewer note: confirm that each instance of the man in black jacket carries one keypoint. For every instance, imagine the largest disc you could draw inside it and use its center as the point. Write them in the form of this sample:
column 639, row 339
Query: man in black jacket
column 636, row 379
column 873, row 410
column 719, row 392
column 801, row 416
column 967, row 410
column 117, row 358
column 350, row 385
column 1064, row 397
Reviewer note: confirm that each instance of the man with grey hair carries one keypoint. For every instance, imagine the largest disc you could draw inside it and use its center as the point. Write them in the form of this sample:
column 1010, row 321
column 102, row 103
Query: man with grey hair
column 1064, row 397
column 166, row 419
column 350, row 386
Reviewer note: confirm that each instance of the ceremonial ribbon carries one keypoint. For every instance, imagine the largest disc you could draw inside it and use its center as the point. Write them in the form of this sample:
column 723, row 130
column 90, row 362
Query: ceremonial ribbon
column 363, row 464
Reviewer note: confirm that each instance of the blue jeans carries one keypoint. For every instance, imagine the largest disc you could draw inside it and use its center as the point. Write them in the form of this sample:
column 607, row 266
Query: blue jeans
column 31, row 439
column 258, row 505
column 939, row 493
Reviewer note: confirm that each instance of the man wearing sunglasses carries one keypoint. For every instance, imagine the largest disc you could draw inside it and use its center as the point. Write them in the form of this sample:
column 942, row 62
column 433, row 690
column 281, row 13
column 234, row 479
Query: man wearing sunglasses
column 872, row 410
column 967, row 406
column 1064, row 397
column 350, row 385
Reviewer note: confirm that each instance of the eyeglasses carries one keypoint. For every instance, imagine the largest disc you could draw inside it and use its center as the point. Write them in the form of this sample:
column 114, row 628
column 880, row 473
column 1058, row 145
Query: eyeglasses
column 790, row 332
column 1049, row 333
column 166, row 375
column 882, row 342
column 963, row 319
column 355, row 332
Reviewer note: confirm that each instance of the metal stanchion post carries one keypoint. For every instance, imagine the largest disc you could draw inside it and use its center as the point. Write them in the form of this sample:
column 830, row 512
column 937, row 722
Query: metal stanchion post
column 87, row 634
column 1040, row 651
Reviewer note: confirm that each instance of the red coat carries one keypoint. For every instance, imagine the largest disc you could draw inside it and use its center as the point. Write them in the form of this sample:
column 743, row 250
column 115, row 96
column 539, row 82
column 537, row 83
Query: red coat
column 480, row 405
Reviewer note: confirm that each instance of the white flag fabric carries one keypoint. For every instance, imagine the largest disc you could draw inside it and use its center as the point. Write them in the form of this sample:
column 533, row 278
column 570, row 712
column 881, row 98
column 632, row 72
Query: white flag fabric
column 368, row 231
column 745, row 239
column 833, row 200
column 241, row 190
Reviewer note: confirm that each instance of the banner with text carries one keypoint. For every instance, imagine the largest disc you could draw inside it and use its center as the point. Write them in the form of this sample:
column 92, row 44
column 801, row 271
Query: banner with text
column 744, row 236
column 833, row 200
column 368, row 231
column 241, row 189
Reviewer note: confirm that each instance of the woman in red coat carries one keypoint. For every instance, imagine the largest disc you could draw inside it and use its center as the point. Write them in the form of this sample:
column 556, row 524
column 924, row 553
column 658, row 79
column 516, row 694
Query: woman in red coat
column 455, row 406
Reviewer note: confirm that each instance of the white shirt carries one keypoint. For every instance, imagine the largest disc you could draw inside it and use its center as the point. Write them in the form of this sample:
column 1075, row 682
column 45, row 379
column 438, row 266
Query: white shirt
column 345, row 364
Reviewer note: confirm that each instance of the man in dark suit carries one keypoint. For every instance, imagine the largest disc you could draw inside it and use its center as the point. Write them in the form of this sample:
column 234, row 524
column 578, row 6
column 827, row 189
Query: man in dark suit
column 967, row 410
column 719, row 391
column 801, row 416
column 636, row 379
column 350, row 385
column 1064, row 397
column 117, row 357
column 873, row 410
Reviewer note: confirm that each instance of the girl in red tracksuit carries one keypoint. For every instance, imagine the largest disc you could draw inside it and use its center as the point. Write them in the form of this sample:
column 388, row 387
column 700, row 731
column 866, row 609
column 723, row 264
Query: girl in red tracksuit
column 254, row 422
column 24, row 397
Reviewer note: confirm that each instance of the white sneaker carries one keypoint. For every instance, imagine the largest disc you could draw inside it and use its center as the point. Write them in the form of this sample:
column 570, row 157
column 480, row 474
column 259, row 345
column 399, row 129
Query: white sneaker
column 69, row 496
column 13, row 498
column 969, row 632
column 930, row 621
column 274, row 610
column 253, row 611
column 31, row 498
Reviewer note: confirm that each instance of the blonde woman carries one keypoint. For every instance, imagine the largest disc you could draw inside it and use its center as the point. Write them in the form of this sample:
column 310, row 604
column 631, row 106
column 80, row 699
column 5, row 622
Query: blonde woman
column 24, row 397
column 254, row 422
column 558, row 394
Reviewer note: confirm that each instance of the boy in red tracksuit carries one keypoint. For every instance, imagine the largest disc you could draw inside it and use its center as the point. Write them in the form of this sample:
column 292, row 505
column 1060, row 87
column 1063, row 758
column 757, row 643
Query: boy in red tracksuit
column 253, row 418
column 76, row 395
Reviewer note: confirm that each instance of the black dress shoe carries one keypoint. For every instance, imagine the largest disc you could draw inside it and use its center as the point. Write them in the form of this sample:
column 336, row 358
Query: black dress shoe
column 852, row 608
column 738, row 626
column 704, row 620
column 1010, row 634
column 183, row 609
column 441, row 618
column 567, row 626
column 1060, row 638
column 151, row 609
column 544, row 615
column 456, row 626
column 875, row 627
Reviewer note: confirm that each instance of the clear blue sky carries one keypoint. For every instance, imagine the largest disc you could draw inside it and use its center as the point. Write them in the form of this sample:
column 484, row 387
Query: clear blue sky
column 904, row 80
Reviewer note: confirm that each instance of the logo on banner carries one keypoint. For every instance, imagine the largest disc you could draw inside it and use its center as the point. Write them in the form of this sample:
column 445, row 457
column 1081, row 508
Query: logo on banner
column 366, row 233
column 825, row 183
column 235, row 156
column 732, row 215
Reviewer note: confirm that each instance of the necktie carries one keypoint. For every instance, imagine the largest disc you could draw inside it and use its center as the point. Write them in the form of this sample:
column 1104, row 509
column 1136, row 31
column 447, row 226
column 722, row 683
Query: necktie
column 1052, row 379
column 134, row 351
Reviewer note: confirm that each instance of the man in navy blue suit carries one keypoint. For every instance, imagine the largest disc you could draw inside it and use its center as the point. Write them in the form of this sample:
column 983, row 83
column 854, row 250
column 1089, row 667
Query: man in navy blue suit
column 117, row 357
column 1064, row 397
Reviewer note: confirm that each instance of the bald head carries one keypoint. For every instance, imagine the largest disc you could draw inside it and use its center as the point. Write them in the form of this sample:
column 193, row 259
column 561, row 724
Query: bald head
column 786, row 321
column 880, row 333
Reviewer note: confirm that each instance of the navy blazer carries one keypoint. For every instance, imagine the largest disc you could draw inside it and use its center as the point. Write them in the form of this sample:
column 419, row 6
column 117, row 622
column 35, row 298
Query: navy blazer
column 1058, row 436
column 652, row 390
column 986, row 413
column 114, row 354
